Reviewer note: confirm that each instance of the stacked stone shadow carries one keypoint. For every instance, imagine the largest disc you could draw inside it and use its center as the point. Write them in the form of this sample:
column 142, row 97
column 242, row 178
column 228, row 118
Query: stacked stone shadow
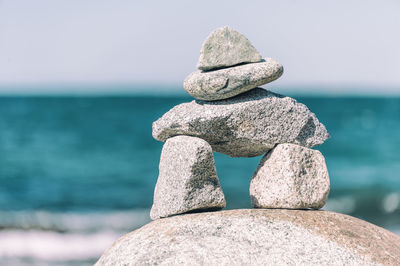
column 232, row 115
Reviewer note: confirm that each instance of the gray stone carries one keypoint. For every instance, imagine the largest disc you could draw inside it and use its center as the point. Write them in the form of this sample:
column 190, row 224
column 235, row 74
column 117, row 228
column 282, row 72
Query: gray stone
column 187, row 179
column 229, row 82
column 290, row 176
column 226, row 47
column 247, row 125
column 256, row 237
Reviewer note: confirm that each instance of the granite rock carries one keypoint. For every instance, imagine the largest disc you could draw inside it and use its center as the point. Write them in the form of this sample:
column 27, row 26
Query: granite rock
column 290, row 176
column 256, row 237
column 247, row 125
column 226, row 47
column 229, row 82
column 187, row 179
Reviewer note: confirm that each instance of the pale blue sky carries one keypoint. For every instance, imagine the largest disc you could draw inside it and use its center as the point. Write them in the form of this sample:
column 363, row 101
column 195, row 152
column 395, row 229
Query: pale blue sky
column 323, row 45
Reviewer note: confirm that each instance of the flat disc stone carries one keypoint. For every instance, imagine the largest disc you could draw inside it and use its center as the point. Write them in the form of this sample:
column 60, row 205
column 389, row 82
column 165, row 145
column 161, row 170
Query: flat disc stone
column 228, row 82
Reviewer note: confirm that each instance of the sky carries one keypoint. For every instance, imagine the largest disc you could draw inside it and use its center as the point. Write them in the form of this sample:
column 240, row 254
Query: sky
column 92, row 45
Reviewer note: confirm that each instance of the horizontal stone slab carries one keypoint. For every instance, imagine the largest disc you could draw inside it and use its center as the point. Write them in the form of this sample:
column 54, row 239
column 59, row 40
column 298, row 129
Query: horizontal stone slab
column 228, row 82
column 244, row 126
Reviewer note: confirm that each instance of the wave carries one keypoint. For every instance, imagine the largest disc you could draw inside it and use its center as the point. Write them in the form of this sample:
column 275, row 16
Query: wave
column 55, row 238
column 117, row 221
column 41, row 247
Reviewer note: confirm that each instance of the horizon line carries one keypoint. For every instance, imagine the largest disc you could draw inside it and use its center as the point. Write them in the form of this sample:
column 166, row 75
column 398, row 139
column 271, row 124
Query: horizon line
column 174, row 89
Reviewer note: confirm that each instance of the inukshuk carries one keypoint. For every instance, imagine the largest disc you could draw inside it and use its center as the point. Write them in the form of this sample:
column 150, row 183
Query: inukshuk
column 232, row 115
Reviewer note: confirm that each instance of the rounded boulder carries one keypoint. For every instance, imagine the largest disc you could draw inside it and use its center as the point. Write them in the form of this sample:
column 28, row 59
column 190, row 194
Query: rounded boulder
column 256, row 237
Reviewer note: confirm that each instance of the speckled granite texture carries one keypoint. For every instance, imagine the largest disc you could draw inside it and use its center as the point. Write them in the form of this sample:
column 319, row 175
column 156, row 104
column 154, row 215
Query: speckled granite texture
column 247, row 125
column 187, row 179
column 290, row 176
column 228, row 82
column 226, row 47
column 256, row 237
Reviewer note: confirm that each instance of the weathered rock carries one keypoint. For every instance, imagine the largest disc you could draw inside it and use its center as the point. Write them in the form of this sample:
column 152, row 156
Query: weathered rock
column 247, row 125
column 229, row 82
column 187, row 179
column 290, row 176
column 226, row 47
column 256, row 237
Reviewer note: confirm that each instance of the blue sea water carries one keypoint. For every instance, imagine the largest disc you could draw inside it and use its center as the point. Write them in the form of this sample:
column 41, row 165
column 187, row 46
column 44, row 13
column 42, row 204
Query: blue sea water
column 78, row 172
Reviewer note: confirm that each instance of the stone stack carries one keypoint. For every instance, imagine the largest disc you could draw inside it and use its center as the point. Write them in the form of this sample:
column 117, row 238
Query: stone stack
column 232, row 115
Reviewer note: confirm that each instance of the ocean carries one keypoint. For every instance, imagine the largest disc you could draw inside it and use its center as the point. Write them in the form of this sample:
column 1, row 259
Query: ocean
column 78, row 172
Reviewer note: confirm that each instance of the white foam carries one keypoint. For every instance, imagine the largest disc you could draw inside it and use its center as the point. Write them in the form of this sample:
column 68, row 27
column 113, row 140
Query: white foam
column 49, row 238
column 391, row 202
column 345, row 204
column 52, row 246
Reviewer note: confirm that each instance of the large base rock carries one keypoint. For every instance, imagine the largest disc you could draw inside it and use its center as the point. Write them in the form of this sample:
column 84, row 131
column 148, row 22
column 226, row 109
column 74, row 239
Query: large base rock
column 187, row 178
column 256, row 237
column 247, row 125
column 290, row 176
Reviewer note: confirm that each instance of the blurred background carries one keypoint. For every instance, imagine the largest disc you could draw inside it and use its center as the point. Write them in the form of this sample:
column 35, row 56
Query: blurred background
column 82, row 81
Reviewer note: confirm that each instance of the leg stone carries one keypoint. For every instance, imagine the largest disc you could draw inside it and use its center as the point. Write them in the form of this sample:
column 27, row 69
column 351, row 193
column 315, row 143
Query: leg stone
column 187, row 179
column 292, row 177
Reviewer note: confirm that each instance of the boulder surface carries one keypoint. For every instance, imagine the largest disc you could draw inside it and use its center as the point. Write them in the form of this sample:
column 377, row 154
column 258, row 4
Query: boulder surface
column 187, row 179
column 256, row 237
column 228, row 82
column 290, row 176
column 226, row 47
column 247, row 125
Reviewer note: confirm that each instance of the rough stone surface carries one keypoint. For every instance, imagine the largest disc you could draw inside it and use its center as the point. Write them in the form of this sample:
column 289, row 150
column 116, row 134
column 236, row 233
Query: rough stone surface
column 229, row 82
column 256, row 237
column 226, row 47
column 290, row 176
column 247, row 125
column 187, row 178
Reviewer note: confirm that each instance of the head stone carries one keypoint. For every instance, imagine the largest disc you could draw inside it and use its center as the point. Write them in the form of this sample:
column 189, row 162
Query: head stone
column 225, row 47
